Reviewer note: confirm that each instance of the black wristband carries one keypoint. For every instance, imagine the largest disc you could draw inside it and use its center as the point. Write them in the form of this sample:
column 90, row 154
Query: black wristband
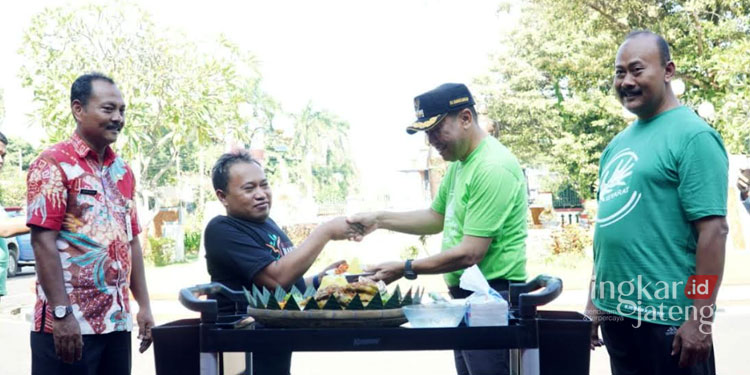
column 409, row 273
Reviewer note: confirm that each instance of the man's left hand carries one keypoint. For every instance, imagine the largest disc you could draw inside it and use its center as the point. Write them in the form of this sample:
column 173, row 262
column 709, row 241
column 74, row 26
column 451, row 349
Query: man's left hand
column 693, row 345
column 145, row 322
column 388, row 271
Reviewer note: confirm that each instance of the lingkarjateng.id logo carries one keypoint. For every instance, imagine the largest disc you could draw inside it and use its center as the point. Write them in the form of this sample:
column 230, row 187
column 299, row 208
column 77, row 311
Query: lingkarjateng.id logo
column 632, row 294
column 701, row 286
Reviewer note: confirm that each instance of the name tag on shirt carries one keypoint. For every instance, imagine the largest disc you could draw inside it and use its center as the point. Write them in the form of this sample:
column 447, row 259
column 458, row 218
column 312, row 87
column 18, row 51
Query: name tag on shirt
column 88, row 192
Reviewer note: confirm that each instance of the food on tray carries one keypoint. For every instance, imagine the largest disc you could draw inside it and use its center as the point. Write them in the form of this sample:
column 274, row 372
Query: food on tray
column 335, row 295
column 329, row 280
column 343, row 267
column 345, row 292
column 346, row 268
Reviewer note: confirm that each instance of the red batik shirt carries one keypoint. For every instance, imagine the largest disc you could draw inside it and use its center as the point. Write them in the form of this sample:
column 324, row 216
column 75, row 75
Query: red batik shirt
column 92, row 206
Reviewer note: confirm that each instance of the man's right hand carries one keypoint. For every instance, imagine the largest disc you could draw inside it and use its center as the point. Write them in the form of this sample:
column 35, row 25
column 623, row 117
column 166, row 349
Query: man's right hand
column 339, row 229
column 364, row 223
column 594, row 314
column 68, row 340
column 743, row 183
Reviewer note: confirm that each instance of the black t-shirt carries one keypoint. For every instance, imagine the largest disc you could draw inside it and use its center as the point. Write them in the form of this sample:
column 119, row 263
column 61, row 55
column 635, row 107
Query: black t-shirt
column 236, row 250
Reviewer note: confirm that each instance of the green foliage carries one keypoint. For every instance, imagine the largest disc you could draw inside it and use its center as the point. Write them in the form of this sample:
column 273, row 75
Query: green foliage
column 181, row 96
column 12, row 188
column 185, row 99
column 551, row 182
column 549, row 92
column 547, row 216
column 298, row 232
column 316, row 157
column 193, row 230
column 413, row 251
column 19, row 154
column 192, row 243
column 161, row 251
column 571, row 239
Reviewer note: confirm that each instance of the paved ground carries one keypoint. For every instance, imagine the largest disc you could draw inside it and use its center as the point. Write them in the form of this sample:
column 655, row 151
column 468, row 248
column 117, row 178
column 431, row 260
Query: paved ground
column 732, row 332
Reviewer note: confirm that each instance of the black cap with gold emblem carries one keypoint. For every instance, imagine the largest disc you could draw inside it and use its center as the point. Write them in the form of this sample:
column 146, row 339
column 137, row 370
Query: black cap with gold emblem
column 435, row 104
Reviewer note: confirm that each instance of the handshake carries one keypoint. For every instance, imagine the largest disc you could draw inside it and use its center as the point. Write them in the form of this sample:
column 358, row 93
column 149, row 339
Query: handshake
column 353, row 228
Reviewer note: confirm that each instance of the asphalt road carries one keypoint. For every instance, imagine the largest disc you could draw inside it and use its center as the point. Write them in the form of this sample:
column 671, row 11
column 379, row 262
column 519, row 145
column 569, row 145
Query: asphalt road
column 732, row 335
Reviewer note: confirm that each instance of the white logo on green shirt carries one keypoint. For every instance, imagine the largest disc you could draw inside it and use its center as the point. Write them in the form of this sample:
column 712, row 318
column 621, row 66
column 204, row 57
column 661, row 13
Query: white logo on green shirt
column 614, row 184
column 450, row 225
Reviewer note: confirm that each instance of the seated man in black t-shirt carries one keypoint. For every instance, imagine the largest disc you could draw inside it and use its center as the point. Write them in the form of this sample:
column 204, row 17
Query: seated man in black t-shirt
column 246, row 247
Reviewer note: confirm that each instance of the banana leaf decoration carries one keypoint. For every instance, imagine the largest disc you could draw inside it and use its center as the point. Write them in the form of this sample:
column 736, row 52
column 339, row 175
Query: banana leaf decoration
column 295, row 300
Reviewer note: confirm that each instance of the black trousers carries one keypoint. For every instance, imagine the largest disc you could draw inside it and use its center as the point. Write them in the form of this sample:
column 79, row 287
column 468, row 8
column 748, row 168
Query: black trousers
column 102, row 354
column 482, row 362
column 646, row 350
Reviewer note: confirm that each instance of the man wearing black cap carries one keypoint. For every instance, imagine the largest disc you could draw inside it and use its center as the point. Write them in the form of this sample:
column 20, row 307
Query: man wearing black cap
column 480, row 208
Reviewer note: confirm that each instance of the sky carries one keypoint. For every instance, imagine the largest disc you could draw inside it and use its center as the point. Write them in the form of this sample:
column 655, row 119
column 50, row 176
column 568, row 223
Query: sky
column 363, row 61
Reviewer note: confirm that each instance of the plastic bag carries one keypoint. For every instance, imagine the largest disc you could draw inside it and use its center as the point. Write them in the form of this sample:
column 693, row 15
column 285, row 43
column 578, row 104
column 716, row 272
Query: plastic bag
column 486, row 306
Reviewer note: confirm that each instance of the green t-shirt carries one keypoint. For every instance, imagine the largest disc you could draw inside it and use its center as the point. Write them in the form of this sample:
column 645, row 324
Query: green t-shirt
column 656, row 177
column 485, row 196
column 4, row 260
column 4, row 257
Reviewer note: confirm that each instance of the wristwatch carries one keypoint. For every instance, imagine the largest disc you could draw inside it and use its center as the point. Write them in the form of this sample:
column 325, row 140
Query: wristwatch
column 61, row 311
column 409, row 273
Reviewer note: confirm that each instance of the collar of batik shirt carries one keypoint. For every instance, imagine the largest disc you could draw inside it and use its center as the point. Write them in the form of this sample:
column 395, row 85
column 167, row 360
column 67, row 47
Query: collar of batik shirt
column 83, row 150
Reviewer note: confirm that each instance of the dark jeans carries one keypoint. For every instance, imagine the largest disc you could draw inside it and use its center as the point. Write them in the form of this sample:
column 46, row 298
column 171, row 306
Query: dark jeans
column 482, row 362
column 646, row 350
column 102, row 354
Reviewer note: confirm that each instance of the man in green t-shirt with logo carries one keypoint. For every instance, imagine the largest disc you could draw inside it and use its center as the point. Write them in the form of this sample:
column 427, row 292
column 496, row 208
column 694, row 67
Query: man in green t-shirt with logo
column 480, row 208
column 661, row 231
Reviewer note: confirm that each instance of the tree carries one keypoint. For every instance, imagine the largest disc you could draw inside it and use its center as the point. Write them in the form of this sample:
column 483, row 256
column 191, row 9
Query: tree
column 186, row 102
column 19, row 154
column 181, row 96
column 12, row 178
column 315, row 157
column 549, row 93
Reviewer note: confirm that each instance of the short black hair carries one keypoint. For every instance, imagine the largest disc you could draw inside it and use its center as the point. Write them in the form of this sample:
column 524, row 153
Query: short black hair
column 81, row 88
column 3, row 139
column 220, row 171
column 660, row 43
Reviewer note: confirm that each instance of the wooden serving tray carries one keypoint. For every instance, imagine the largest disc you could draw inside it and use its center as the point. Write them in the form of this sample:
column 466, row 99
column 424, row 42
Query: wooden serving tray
column 328, row 318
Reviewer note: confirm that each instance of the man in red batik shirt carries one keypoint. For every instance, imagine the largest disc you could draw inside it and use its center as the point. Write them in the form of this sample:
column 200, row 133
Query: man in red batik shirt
column 84, row 230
